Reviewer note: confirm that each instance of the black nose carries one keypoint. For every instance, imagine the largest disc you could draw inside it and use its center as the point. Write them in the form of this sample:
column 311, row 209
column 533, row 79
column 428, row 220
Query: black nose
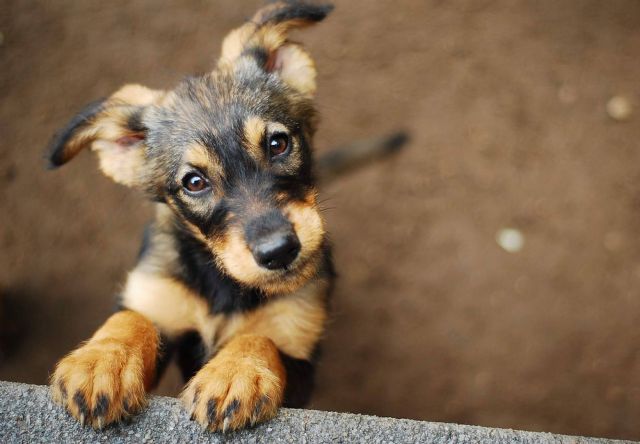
column 276, row 250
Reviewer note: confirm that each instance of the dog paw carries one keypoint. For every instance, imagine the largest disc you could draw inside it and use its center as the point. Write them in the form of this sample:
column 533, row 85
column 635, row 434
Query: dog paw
column 243, row 385
column 100, row 382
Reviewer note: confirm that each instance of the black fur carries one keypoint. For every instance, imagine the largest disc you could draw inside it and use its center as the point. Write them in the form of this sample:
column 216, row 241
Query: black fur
column 55, row 152
column 191, row 354
column 81, row 403
column 101, row 407
column 296, row 9
column 166, row 349
column 270, row 222
column 199, row 272
column 259, row 54
column 134, row 122
column 300, row 381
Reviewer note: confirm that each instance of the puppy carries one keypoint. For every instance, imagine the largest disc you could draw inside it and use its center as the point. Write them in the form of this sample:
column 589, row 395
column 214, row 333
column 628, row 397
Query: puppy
column 235, row 272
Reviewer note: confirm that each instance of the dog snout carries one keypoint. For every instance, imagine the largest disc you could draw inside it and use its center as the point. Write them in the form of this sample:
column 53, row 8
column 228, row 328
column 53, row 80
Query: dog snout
column 272, row 241
column 276, row 250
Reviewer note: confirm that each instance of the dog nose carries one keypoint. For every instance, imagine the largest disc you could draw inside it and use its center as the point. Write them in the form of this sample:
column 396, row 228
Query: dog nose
column 276, row 250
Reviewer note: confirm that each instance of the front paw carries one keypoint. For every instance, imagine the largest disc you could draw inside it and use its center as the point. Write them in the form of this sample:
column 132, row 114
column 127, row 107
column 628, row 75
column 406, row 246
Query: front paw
column 241, row 386
column 100, row 382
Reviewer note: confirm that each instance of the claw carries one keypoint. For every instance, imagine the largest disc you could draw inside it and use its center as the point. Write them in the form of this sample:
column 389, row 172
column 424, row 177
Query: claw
column 82, row 418
column 228, row 414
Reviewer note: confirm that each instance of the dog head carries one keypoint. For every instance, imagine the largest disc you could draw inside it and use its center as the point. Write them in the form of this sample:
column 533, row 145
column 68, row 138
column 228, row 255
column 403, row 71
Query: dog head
column 229, row 151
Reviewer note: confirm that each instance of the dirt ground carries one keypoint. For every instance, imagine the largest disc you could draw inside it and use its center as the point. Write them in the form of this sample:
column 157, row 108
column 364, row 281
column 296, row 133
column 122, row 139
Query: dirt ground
column 505, row 102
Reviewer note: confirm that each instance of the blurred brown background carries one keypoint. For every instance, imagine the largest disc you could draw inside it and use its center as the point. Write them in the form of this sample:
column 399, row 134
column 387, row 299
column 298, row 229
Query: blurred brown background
column 506, row 103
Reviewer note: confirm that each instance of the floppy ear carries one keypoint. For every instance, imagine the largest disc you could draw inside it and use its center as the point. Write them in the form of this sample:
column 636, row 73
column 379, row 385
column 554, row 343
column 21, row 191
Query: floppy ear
column 112, row 128
column 265, row 38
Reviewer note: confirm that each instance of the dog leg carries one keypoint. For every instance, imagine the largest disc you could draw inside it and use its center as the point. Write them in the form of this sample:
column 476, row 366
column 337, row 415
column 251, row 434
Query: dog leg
column 242, row 385
column 106, row 378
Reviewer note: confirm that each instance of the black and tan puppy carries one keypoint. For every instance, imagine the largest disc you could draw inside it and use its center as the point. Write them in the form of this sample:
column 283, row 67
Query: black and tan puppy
column 235, row 271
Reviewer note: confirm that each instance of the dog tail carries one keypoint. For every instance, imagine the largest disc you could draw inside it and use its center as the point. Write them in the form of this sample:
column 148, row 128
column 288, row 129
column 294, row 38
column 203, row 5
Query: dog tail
column 350, row 157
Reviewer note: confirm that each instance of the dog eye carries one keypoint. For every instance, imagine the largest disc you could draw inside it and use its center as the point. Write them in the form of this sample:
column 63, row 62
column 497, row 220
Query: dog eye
column 278, row 144
column 193, row 182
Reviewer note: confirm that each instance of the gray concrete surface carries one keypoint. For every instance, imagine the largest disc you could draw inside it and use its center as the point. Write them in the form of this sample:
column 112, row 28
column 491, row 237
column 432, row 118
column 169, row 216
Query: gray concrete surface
column 27, row 415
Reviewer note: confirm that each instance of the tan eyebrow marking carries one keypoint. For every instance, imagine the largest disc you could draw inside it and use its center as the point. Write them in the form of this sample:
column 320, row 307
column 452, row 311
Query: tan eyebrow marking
column 199, row 156
column 254, row 128
column 203, row 159
column 275, row 127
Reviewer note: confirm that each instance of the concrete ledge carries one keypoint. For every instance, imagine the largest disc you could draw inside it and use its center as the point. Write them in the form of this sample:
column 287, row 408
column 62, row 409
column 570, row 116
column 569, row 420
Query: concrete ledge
column 27, row 415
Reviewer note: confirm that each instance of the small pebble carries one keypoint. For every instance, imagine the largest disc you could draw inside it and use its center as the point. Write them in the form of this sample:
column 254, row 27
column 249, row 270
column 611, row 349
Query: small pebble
column 619, row 108
column 510, row 239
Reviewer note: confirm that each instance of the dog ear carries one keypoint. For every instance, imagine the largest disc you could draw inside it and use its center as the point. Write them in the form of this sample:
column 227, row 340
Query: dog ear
column 112, row 128
column 265, row 39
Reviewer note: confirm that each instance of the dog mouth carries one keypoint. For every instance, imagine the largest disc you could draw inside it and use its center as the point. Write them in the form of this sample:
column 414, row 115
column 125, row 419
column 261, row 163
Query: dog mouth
column 291, row 277
column 291, row 271
column 276, row 253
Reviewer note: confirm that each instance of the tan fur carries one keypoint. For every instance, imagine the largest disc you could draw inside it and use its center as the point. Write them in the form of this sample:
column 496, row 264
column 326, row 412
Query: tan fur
column 170, row 305
column 123, row 164
column 307, row 223
column 290, row 61
column 294, row 322
column 116, row 364
column 276, row 127
column 234, row 43
column 296, row 68
column 257, row 34
column 247, row 373
column 163, row 254
column 134, row 94
column 201, row 157
column 81, row 139
column 254, row 131
column 236, row 258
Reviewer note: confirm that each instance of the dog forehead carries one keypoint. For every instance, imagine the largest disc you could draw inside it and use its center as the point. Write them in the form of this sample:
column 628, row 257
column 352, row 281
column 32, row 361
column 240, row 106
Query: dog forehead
column 215, row 105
